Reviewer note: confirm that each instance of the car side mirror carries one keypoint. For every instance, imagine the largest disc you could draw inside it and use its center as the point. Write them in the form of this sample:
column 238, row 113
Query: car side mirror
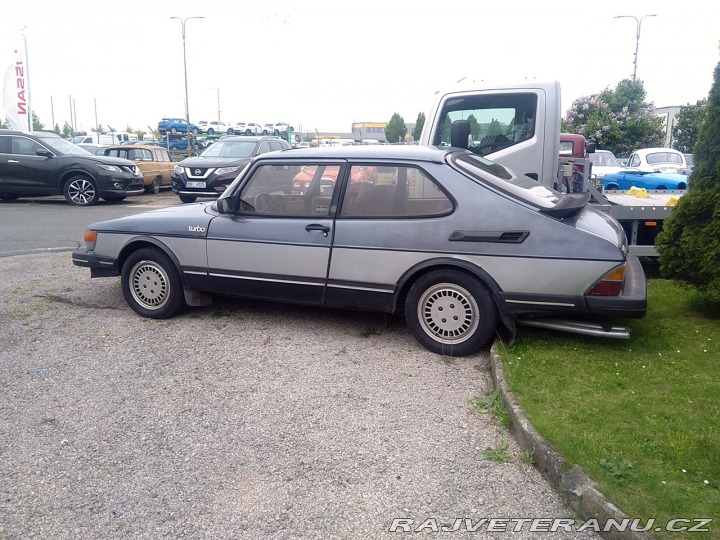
column 224, row 206
column 44, row 153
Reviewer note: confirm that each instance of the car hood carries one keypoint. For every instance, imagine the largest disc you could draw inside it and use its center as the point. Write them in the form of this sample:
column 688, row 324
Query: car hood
column 600, row 170
column 185, row 219
column 206, row 162
column 109, row 160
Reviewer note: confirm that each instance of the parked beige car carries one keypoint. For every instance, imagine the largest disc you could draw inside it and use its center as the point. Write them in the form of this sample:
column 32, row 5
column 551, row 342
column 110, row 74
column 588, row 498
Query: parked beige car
column 153, row 161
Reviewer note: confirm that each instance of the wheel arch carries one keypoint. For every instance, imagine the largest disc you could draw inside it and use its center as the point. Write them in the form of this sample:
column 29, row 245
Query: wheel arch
column 68, row 175
column 139, row 243
column 410, row 276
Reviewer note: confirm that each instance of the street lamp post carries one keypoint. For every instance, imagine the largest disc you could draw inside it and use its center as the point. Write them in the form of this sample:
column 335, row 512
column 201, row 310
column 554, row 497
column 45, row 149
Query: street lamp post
column 187, row 106
column 637, row 36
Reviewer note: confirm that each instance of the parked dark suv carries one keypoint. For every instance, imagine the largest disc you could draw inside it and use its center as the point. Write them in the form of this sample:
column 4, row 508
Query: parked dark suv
column 208, row 174
column 37, row 163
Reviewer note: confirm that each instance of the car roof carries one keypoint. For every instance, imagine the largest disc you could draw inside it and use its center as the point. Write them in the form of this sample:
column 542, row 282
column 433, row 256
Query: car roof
column 643, row 151
column 131, row 146
column 369, row 152
column 42, row 134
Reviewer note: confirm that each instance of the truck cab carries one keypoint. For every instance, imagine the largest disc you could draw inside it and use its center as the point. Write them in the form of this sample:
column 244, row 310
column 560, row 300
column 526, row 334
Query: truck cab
column 516, row 125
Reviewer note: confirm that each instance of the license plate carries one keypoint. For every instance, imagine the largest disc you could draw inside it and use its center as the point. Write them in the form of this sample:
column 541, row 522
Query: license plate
column 195, row 184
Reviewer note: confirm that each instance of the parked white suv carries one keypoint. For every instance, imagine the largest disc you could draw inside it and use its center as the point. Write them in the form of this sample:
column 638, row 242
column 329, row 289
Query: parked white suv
column 216, row 127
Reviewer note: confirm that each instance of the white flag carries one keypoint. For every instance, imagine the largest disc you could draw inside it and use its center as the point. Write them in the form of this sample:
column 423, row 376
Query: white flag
column 16, row 93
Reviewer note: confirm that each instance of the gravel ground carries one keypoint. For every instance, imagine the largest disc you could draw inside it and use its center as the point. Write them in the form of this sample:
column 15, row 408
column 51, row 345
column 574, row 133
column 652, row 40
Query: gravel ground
column 245, row 420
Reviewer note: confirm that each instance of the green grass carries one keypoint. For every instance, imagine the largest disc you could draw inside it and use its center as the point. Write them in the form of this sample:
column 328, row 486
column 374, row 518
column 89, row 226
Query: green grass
column 641, row 416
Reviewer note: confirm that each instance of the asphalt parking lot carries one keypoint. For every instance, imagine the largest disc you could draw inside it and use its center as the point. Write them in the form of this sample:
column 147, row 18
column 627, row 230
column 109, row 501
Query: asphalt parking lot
column 243, row 420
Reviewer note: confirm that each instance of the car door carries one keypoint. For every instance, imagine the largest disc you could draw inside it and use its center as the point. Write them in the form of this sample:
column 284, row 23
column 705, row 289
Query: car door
column 25, row 170
column 276, row 245
column 165, row 164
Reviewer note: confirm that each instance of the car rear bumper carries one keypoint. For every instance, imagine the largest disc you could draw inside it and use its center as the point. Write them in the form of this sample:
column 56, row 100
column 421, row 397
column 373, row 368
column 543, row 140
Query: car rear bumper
column 632, row 303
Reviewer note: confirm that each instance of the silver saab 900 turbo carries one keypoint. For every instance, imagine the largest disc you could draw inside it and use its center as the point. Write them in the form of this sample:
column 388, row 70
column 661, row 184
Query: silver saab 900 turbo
column 461, row 246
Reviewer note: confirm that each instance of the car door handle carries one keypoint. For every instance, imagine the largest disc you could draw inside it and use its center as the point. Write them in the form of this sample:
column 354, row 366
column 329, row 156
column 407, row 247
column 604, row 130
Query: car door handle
column 13, row 161
column 317, row 227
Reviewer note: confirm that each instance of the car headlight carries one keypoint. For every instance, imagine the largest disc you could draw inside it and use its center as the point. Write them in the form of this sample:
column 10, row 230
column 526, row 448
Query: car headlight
column 227, row 170
column 178, row 169
column 111, row 168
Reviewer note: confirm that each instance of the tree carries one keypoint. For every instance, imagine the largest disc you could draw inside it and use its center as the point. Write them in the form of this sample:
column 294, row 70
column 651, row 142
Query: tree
column 67, row 131
column 396, row 129
column 687, row 124
column 4, row 124
column 36, row 124
column 617, row 120
column 689, row 244
column 419, row 124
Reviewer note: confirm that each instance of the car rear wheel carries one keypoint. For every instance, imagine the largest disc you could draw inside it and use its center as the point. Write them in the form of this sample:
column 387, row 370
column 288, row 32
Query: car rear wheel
column 187, row 198
column 211, row 131
column 81, row 191
column 248, row 132
column 451, row 312
column 276, row 133
column 151, row 284
column 173, row 130
column 154, row 188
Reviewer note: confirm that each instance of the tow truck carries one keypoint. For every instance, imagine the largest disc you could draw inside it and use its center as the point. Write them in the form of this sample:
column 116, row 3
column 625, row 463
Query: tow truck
column 518, row 125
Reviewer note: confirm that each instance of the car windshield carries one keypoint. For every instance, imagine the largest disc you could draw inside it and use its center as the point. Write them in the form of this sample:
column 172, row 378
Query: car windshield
column 604, row 159
column 62, row 146
column 496, row 175
column 230, row 149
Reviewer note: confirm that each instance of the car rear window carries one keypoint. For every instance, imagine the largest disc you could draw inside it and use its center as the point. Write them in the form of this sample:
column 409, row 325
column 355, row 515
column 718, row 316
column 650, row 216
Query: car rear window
column 500, row 177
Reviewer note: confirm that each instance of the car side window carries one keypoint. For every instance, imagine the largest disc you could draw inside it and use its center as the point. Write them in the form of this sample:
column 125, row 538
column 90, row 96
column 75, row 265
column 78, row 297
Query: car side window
column 24, row 146
column 380, row 191
column 264, row 147
column 273, row 190
column 634, row 161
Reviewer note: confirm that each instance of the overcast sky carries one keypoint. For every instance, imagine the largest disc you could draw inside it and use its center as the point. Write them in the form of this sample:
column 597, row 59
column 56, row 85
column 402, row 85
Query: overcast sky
column 323, row 64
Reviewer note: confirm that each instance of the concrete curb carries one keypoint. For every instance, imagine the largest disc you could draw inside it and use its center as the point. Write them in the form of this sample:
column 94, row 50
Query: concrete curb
column 575, row 486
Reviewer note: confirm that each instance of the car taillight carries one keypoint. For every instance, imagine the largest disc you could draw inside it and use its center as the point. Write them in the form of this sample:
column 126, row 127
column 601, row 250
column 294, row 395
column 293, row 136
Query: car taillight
column 611, row 284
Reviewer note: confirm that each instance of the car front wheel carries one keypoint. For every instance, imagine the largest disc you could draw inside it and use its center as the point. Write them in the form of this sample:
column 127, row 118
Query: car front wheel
column 151, row 284
column 451, row 312
column 81, row 191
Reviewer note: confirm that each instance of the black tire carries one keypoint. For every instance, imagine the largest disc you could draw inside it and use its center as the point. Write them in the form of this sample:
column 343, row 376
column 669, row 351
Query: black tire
column 264, row 133
column 9, row 197
column 154, row 188
column 173, row 130
column 81, row 191
column 195, row 131
column 211, row 131
column 276, row 133
column 187, row 198
column 230, row 132
column 451, row 312
column 151, row 284
column 248, row 132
